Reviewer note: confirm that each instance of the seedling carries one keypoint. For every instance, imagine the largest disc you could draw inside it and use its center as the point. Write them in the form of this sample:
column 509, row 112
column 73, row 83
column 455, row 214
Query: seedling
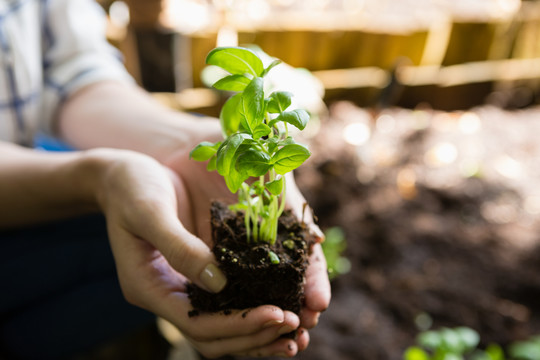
column 258, row 150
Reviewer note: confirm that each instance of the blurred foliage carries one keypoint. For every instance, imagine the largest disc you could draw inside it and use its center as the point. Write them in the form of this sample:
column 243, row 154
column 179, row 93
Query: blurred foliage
column 333, row 247
column 461, row 343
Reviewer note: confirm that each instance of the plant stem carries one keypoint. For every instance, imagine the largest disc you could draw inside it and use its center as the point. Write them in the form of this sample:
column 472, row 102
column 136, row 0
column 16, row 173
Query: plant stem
column 256, row 222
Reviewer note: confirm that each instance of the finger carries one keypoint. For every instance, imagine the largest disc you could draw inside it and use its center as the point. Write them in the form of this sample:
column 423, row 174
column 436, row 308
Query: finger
column 309, row 318
column 317, row 289
column 152, row 216
column 294, row 197
column 237, row 323
column 242, row 344
column 302, row 339
column 300, row 207
column 185, row 252
column 157, row 287
column 208, row 327
column 145, row 276
column 183, row 206
column 280, row 347
column 315, row 230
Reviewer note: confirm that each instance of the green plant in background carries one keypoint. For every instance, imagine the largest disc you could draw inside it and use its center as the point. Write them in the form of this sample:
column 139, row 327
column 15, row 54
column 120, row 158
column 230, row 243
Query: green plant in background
column 461, row 343
column 333, row 247
column 257, row 142
column 443, row 344
column 525, row 350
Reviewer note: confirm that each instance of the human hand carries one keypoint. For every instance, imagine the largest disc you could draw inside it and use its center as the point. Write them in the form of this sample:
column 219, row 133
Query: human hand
column 206, row 186
column 155, row 255
column 317, row 288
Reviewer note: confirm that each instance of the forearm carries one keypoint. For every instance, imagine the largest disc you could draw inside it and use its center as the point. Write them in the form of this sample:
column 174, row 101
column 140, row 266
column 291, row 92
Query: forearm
column 116, row 115
column 38, row 186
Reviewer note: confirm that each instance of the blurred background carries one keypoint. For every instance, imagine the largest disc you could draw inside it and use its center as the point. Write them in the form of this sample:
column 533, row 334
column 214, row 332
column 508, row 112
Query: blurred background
column 426, row 161
column 450, row 54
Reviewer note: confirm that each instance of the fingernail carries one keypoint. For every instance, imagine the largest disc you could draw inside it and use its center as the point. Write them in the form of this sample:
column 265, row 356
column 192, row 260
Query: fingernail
column 317, row 318
column 272, row 323
column 213, row 278
column 285, row 329
column 316, row 231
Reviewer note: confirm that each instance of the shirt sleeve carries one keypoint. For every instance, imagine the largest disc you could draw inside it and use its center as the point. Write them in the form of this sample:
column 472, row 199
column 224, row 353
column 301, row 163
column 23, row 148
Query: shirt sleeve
column 76, row 53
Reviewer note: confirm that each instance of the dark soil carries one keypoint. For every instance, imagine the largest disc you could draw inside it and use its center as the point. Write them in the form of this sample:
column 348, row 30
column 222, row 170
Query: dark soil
column 253, row 279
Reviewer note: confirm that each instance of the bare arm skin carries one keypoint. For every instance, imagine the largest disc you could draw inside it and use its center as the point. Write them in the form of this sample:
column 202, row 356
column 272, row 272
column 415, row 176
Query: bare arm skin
column 117, row 115
column 38, row 186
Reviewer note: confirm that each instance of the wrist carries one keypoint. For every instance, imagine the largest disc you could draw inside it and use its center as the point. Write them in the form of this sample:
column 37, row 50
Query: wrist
column 91, row 172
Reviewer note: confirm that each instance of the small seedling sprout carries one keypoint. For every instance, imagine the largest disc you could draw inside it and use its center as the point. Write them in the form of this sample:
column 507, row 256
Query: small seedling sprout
column 257, row 150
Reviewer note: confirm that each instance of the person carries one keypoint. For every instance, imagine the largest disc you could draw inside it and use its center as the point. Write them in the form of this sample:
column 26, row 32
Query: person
column 127, row 188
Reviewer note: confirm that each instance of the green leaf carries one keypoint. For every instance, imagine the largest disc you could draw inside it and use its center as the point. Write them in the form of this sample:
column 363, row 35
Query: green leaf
column 254, row 163
column 257, row 188
column 279, row 102
column 451, row 356
column 204, row 151
column 469, row 338
column 287, row 141
column 230, row 115
column 211, row 164
column 236, row 60
column 525, row 350
column 415, row 353
column 298, row 118
column 227, row 152
column 276, row 186
column 289, row 158
column 234, row 180
column 429, row 339
column 261, row 130
column 270, row 67
column 232, row 83
column 238, row 207
column 253, row 104
column 480, row 355
column 274, row 259
column 495, row 352
column 451, row 341
column 272, row 144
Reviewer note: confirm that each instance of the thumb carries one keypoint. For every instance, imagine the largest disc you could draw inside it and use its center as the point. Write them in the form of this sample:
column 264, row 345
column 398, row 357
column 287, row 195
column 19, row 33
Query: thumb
column 187, row 254
column 301, row 209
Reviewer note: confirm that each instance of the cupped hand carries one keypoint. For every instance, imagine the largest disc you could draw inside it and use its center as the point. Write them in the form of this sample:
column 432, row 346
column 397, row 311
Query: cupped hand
column 317, row 288
column 204, row 187
column 148, row 212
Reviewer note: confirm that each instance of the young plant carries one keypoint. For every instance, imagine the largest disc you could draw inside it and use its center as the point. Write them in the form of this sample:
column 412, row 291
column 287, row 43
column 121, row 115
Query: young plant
column 257, row 150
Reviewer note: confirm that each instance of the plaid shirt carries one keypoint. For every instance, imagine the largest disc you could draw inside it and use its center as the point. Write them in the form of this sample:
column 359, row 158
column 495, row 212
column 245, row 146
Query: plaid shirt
column 48, row 50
